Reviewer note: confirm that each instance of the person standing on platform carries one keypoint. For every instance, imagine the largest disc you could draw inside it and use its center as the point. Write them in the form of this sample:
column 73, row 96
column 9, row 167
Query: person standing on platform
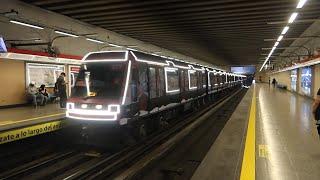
column 274, row 82
column 62, row 89
column 316, row 110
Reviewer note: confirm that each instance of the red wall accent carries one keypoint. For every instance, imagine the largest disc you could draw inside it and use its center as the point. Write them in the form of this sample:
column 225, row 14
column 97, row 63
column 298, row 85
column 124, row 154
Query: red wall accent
column 24, row 51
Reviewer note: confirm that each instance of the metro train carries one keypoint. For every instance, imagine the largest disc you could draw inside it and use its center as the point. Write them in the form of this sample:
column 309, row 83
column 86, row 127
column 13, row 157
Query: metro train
column 135, row 89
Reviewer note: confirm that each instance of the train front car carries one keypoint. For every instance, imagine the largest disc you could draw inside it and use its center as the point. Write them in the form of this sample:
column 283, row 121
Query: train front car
column 101, row 88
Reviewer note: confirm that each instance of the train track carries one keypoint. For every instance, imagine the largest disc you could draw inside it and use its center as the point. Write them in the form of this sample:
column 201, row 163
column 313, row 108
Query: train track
column 79, row 164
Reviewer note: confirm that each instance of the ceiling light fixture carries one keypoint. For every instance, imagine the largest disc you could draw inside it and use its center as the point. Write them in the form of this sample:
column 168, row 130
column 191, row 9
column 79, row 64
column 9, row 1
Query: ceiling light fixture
column 276, row 44
column 285, row 30
column 301, row 4
column 65, row 33
column 114, row 45
column 292, row 17
column 94, row 40
column 132, row 49
column 279, row 38
column 26, row 24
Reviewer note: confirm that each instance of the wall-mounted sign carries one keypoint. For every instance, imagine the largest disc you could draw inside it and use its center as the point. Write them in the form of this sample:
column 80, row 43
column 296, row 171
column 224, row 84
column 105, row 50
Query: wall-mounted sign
column 243, row 69
column 3, row 48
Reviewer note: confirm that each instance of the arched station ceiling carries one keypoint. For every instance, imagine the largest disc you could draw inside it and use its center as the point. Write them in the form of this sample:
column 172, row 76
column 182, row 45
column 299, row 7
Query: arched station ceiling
column 232, row 30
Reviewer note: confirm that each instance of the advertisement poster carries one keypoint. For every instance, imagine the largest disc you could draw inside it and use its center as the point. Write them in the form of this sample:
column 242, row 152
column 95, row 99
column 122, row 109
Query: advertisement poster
column 46, row 74
column 294, row 79
column 306, row 80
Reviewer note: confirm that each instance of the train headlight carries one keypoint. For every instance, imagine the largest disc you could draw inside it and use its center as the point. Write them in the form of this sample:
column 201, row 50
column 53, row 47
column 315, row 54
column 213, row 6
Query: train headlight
column 70, row 106
column 114, row 108
column 98, row 106
column 84, row 106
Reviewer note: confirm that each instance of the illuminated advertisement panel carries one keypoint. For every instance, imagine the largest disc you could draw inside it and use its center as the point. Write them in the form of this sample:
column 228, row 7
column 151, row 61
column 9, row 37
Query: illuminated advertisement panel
column 306, row 80
column 294, row 79
column 243, row 69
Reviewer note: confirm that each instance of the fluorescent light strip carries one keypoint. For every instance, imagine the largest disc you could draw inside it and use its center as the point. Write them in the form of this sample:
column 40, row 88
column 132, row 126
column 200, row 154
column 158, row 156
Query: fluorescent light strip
column 87, row 83
column 166, row 70
column 65, row 33
column 279, row 38
column 107, row 60
column 292, row 17
column 147, row 61
column 285, row 30
column 132, row 49
column 127, row 83
column 95, row 40
column 301, row 4
column 114, row 45
column 174, row 65
column 26, row 24
column 276, row 44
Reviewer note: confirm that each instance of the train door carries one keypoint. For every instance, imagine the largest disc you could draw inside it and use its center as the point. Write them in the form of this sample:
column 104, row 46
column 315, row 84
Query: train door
column 73, row 74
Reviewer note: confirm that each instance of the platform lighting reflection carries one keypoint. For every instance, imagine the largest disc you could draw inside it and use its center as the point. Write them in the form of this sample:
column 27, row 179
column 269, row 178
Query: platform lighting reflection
column 95, row 40
column 65, row 33
column 292, row 17
column 301, row 4
column 26, row 24
column 285, row 30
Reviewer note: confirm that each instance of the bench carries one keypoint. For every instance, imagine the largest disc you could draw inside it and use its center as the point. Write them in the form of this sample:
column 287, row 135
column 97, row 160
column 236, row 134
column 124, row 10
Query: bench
column 281, row 86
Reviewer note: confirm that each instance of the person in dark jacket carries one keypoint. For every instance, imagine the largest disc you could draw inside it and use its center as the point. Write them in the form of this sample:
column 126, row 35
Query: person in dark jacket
column 316, row 110
column 274, row 82
column 43, row 91
column 62, row 89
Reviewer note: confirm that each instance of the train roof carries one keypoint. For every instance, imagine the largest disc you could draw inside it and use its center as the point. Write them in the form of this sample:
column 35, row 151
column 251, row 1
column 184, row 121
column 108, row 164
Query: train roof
column 100, row 56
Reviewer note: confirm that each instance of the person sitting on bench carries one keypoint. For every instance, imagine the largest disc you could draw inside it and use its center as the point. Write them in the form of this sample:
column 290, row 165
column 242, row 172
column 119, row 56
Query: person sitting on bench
column 43, row 91
column 32, row 94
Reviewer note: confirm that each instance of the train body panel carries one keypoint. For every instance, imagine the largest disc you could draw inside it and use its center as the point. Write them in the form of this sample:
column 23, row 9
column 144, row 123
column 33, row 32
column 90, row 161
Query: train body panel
column 123, row 86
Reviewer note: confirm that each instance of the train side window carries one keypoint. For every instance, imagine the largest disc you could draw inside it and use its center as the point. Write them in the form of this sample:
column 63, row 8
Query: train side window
column 152, row 82
column 182, row 80
column 204, row 84
column 186, row 81
column 134, row 85
column 192, row 76
column 160, row 82
column 172, row 80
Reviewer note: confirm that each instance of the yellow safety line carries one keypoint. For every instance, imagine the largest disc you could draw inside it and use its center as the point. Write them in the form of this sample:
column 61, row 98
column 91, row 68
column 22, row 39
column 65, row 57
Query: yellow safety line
column 31, row 119
column 248, row 169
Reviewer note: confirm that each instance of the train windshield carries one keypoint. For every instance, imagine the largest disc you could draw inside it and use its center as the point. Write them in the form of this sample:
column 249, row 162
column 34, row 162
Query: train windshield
column 102, row 80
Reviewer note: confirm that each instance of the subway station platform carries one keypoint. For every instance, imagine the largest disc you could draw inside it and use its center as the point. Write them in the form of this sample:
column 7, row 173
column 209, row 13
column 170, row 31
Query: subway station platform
column 271, row 135
column 29, row 121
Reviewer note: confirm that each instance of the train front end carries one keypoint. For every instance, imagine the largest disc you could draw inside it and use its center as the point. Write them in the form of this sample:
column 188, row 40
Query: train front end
column 101, row 88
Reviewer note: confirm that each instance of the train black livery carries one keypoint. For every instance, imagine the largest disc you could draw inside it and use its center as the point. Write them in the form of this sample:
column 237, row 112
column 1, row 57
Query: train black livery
column 125, row 87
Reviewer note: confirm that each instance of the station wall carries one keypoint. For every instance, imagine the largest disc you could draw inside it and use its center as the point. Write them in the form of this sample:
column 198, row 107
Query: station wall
column 13, row 77
column 13, row 83
column 285, row 79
